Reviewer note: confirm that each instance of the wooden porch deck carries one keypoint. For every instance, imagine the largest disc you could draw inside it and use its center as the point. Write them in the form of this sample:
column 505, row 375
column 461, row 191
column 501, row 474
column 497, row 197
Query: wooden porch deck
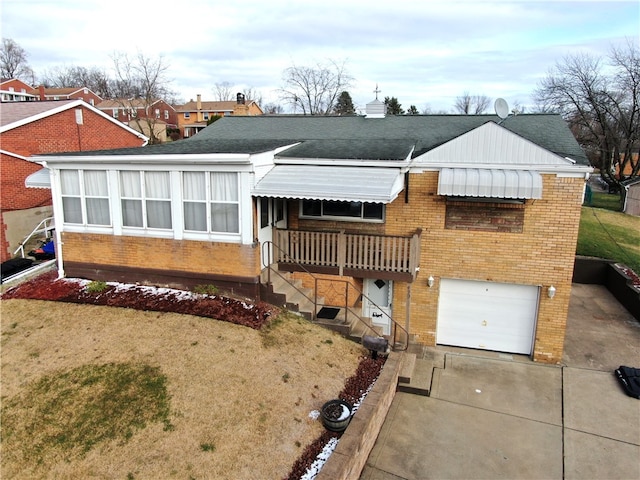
column 357, row 255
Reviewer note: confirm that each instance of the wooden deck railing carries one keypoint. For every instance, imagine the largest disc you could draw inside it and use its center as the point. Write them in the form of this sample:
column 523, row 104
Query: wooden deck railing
column 381, row 253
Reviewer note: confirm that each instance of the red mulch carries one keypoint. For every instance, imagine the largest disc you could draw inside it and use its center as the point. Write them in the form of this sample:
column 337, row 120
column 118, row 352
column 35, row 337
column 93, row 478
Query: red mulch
column 49, row 287
column 635, row 279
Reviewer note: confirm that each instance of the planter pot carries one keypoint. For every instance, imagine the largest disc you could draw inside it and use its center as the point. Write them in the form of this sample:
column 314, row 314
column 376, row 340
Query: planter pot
column 336, row 415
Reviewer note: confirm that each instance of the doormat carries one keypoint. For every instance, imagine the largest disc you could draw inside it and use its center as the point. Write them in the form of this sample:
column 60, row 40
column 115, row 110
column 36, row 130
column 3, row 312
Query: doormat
column 328, row 312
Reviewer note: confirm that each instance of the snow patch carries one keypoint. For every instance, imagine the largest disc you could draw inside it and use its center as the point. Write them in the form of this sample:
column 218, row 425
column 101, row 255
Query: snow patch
column 317, row 465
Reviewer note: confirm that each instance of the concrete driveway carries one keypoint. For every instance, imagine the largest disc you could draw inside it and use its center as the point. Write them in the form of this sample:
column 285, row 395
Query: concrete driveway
column 492, row 415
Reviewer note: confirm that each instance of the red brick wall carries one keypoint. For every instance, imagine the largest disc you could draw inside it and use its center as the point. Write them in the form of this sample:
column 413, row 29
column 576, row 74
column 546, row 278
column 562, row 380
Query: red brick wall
column 60, row 133
column 13, row 194
column 53, row 134
column 483, row 217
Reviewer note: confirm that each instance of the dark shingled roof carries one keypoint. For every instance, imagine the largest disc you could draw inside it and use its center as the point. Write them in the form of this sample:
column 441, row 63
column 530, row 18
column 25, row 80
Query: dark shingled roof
column 356, row 137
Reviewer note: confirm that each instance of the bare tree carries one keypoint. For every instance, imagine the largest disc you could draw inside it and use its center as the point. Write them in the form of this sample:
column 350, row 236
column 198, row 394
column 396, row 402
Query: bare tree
column 314, row 90
column 14, row 63
column 76, row 76
column 224, row 91
column 471, row 104
column 252, row 94
column 272, row 109
column 600, row 100
column 142, row 80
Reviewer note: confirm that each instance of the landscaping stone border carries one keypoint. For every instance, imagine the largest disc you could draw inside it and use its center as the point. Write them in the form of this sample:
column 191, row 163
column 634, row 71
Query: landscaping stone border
column 350, row 456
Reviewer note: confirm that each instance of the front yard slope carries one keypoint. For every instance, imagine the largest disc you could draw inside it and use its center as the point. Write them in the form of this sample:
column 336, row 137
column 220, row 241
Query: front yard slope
column 224, row 401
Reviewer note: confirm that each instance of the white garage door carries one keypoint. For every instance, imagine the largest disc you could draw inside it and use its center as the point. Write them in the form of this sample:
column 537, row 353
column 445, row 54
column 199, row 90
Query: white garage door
column 486, row 315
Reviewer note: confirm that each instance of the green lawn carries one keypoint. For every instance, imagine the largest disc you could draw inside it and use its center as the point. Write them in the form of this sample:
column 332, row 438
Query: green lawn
column 605, row 232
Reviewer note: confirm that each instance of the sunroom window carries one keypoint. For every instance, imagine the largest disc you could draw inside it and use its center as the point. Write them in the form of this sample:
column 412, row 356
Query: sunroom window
column 85, row 197
column 211, row 202
column 146, row 199
column 338, row 210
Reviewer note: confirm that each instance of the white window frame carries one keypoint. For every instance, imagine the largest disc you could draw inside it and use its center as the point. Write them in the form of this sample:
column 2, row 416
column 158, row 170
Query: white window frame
column 145, row 199
column 245, row 213
column 83, row 197
column 209, row 203
column 187, row 115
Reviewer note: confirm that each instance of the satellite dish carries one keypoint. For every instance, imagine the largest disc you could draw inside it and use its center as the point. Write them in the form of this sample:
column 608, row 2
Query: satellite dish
column 502, row 108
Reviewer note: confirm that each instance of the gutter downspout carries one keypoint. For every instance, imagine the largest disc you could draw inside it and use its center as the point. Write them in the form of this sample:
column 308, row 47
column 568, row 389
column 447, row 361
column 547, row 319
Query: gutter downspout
column 54, row 174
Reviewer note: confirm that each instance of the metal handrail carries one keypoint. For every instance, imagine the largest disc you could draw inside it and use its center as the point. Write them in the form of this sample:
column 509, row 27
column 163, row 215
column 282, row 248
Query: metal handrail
column 48, row 226
column 347, row 308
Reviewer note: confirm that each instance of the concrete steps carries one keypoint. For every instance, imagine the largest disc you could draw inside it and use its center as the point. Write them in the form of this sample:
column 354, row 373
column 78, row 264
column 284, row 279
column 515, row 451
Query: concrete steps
column 300, row 300
column 418, row 370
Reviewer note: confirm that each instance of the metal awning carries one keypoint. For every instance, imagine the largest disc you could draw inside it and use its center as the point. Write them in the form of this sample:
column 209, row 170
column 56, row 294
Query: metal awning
column 490, row 183
column 315, row 182
column 39, row 179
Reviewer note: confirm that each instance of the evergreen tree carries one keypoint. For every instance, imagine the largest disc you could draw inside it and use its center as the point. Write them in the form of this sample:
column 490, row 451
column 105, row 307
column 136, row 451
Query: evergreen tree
column 412, row 110
column 344, row 105
column 393, row 106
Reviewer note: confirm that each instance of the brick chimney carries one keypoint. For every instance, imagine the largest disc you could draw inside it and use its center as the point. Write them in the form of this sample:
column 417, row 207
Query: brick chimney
column 41, row 93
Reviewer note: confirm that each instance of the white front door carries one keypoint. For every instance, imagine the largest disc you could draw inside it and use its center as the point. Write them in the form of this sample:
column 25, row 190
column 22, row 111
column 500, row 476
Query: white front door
column 377, row 302
column 265, row 229
column 487, row 315
column 272, row 214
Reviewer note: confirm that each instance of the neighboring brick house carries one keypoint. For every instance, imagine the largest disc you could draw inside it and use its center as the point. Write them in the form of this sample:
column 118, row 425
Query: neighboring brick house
column 461, row 228
column 14, row 90
column 31, row 128
column 67, row 93
column 141, row 116
column 194, row 116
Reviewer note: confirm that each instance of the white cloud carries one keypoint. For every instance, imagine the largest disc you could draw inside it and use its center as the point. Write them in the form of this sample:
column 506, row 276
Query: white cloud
column 422, row 52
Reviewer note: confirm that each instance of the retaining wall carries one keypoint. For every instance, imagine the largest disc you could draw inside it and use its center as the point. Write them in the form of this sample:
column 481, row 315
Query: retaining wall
column 350, row 456
column 605, row 272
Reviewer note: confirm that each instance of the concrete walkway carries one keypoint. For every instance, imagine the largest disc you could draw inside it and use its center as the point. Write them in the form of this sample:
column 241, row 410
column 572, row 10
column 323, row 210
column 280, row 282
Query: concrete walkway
column 492, row 415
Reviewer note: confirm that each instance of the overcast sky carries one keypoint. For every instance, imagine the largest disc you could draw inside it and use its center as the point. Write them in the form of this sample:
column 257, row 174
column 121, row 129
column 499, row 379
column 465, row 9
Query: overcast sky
column 425, row 53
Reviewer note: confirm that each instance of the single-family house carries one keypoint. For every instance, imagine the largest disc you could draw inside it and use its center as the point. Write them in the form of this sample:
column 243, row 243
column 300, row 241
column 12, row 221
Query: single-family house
column 32, row 128
column 193, row 117
column 150, row 118
column 68, row 93
column 458, row 229
column 15, row 90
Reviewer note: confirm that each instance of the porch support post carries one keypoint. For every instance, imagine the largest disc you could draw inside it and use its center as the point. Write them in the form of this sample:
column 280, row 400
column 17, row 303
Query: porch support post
column 407, row 320
column 342, row 252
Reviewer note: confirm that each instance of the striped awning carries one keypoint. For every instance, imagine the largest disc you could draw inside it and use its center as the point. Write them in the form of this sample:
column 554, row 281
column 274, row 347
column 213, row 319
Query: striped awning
column 39, row 179
column 490, row 183
column 328, row 182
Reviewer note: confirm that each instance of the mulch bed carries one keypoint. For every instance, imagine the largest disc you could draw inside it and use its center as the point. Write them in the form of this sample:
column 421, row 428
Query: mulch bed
column 138, row 297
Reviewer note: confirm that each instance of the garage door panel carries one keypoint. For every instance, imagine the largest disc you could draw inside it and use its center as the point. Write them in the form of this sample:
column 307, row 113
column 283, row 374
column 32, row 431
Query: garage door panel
column 487, row 315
